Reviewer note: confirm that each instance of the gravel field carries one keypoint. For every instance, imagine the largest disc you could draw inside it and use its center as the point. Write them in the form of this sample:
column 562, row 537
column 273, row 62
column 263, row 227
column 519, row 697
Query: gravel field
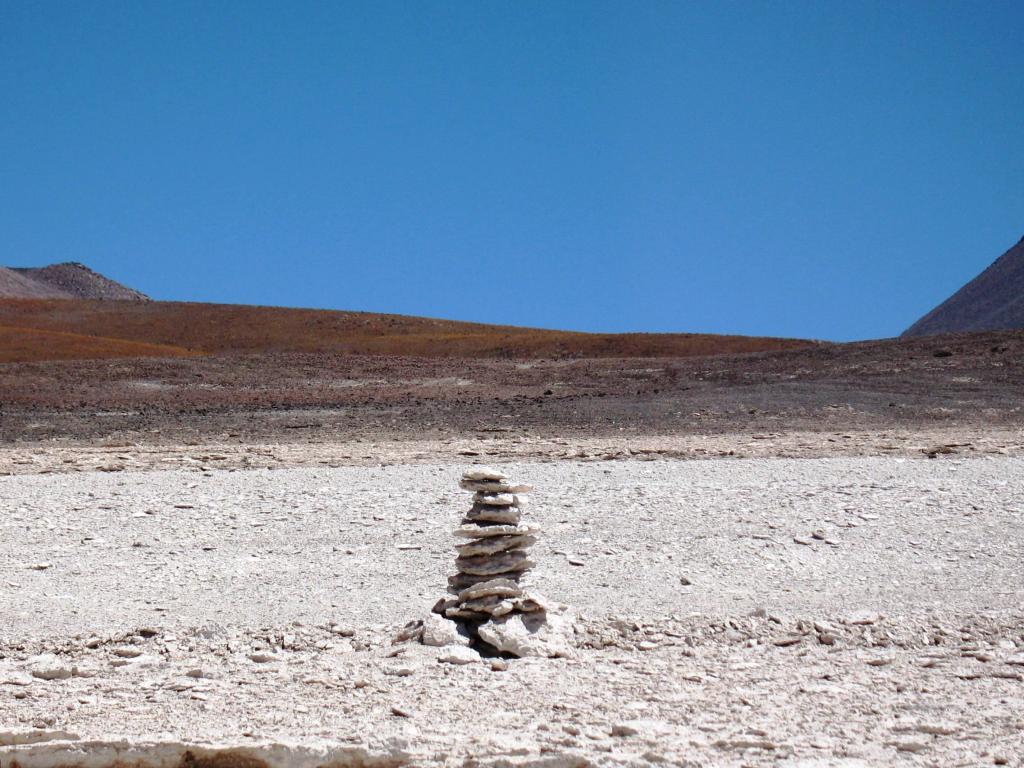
column 844, row 611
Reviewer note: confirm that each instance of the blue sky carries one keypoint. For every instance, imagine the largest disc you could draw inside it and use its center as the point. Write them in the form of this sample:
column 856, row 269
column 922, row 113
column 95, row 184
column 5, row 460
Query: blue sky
column 826, row 169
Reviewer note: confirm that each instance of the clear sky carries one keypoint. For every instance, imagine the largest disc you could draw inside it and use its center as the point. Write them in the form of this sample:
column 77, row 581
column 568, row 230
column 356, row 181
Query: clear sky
column 821, row 169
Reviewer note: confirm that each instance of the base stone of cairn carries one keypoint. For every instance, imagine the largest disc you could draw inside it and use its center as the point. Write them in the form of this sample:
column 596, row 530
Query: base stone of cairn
column 488, row 604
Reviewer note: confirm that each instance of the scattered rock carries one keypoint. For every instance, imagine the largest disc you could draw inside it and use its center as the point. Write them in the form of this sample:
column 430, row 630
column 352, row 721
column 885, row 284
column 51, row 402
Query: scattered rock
column 932, row 729
column 529, row 634
column 863, row 618
column 824, row 628
column 411, row 631
column 138, row 662
column 458, row 654
column 182, row 684
column 787, row 640
column 444, row 603
column 49, row 667
column 625, row 729
column 913, row 747
column 439, row 632
column 745, row 743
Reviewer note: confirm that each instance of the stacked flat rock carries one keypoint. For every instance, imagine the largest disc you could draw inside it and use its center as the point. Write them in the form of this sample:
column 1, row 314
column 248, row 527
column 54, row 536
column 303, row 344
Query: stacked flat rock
column 492, row 553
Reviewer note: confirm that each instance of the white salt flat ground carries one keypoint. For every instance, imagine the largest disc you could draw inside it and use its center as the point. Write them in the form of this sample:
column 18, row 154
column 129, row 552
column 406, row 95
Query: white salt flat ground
column 248, row 548
column 725, row 670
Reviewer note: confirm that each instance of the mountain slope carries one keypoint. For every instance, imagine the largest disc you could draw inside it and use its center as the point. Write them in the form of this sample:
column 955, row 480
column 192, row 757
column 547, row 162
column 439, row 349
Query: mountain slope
column 15, row 285
column 69, row 280
column 994, row 300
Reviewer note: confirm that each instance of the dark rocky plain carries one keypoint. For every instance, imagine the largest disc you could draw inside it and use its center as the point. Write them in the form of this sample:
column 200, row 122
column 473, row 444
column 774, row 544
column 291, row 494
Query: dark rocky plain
column 942, row 382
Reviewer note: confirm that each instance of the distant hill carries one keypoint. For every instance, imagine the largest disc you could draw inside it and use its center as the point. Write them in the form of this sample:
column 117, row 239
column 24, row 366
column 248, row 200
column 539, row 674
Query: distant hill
column 992, row 301
column 200, row 329
column 67, row 311
column 69, row 280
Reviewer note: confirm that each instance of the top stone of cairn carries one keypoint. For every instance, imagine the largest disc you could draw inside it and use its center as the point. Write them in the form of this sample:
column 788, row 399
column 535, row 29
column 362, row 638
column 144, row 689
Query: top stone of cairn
column 484, row 473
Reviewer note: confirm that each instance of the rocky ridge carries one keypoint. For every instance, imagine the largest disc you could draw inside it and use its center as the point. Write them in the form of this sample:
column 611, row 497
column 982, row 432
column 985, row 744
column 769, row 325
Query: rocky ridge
column 994, row 300
column 69, row 280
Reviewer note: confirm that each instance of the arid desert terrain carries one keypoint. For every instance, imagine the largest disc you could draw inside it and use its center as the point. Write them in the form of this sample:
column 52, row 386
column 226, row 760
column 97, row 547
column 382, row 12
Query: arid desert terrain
column 806, row 555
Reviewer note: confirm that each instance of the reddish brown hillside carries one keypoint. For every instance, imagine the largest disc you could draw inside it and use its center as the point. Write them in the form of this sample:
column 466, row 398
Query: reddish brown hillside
column 26, row 345
column 210, row 328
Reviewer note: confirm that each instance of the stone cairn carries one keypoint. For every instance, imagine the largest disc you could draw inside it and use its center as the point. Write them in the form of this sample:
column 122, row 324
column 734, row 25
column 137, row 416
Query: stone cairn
column 492, row 551
column 487, row 599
